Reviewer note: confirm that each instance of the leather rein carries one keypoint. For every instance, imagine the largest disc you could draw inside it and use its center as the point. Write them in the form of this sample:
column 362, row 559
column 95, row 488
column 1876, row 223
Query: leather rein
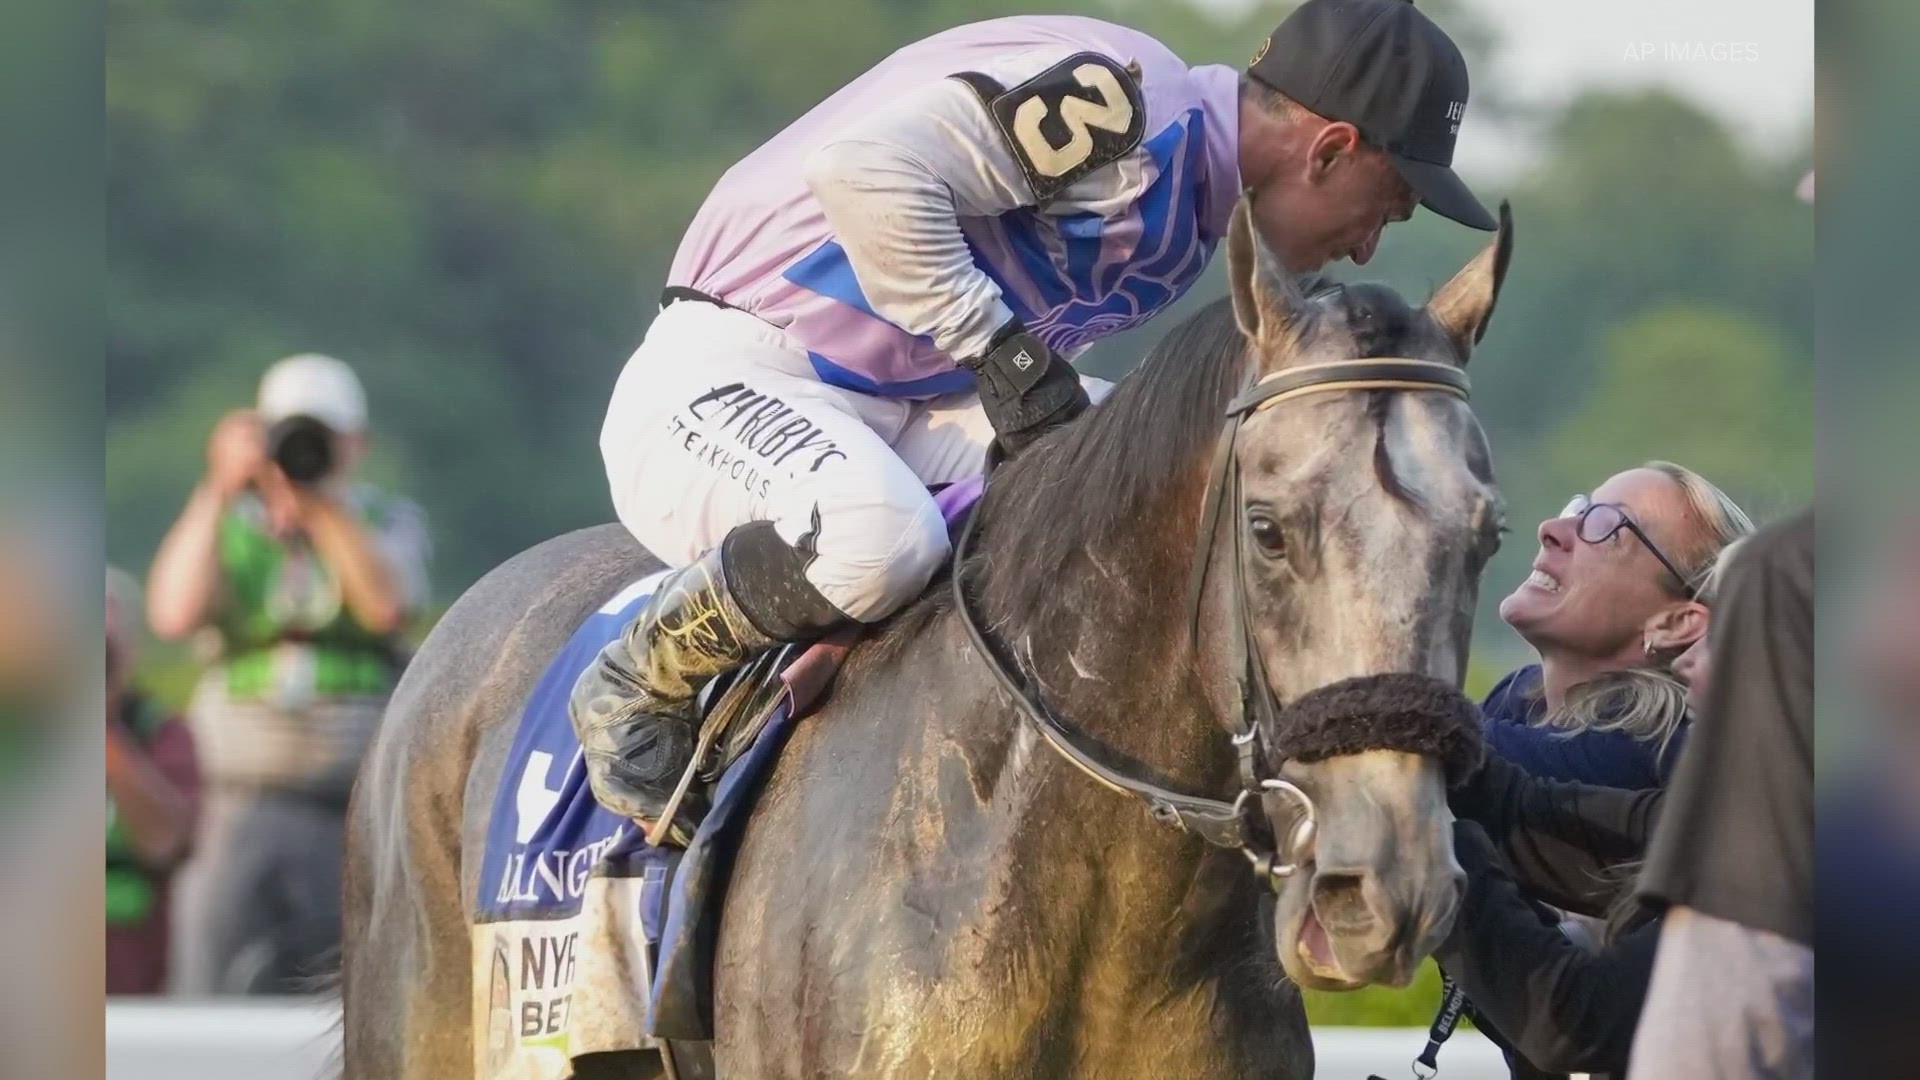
column 1231, row 825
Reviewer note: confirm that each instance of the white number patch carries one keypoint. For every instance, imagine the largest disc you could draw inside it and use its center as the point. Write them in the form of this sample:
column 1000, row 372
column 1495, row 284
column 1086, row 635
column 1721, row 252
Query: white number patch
column 1112, row 113
column 1079, row 115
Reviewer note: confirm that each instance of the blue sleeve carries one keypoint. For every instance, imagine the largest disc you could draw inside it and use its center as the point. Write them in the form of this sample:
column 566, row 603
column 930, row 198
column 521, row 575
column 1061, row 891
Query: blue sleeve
column 1607, row 758
column 1674, row 745
column 1515, row 697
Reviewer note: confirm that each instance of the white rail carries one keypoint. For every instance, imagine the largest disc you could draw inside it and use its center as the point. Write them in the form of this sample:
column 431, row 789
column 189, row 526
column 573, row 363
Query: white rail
column 293, row 1039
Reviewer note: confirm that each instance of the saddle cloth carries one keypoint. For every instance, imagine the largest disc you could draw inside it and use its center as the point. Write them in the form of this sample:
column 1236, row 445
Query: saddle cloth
column 585, row 938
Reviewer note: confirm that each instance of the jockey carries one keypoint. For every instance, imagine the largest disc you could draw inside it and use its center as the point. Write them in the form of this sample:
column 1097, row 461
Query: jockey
column 913, row 261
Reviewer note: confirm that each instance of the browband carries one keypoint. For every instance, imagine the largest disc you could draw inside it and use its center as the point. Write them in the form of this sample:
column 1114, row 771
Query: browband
column 1373, row 373
column 1381, row 373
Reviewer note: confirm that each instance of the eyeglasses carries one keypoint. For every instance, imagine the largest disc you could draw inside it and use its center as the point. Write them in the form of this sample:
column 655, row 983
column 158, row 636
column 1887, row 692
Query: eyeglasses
column 1597, row 522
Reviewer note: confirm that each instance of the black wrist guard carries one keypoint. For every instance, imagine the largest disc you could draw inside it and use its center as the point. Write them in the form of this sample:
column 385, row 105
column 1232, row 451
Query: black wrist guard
column 1025, row 389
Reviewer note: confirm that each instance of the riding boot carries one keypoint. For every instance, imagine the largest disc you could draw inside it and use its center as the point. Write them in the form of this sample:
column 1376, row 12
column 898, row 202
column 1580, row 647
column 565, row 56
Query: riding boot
column 635, row 708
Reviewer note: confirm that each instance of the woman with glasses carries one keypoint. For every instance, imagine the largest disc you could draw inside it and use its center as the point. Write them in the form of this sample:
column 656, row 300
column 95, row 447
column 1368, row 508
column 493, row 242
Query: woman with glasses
column 1613, row 600
column 1556, row 1001
column 1619, row 593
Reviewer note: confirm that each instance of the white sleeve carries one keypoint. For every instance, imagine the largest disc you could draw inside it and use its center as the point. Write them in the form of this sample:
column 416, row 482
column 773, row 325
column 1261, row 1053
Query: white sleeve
column 402, row 538
column 895, row 185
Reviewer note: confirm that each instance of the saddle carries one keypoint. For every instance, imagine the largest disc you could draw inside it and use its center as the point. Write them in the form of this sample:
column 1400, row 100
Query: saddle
column 745, row 720
column 736, row 708
column 586, row 937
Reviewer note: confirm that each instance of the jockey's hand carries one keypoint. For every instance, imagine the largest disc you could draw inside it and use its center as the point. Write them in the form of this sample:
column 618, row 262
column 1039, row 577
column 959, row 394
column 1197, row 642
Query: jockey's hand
column 1026, row 389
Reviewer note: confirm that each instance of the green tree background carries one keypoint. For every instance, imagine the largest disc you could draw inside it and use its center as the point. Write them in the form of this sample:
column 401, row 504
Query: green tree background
column 475, row 202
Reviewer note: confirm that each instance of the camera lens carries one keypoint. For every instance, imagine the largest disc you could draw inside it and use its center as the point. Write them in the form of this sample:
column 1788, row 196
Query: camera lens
column 303, row 448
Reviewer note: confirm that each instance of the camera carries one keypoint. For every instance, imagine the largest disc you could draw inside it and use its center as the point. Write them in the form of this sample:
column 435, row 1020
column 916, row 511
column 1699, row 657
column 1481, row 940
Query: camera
column 303, row 448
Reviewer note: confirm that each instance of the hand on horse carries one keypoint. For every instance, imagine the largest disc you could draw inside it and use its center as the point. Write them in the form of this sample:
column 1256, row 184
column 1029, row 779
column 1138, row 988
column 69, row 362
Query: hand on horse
column 1026, row 388
column 1483, row 795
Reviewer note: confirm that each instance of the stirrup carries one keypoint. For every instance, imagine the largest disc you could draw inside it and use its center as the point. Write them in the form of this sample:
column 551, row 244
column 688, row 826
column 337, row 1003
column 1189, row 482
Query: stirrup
column 702, row 747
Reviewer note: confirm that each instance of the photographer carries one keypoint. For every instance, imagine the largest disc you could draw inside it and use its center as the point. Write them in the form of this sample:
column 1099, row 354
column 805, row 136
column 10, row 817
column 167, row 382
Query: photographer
column 299, row 579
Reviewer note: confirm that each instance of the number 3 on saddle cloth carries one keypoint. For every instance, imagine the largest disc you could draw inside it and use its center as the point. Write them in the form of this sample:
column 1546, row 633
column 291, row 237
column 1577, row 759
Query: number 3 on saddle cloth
column 584, row 935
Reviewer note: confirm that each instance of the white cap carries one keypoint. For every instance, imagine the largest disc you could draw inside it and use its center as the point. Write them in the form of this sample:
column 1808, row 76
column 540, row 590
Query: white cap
column 317, row 386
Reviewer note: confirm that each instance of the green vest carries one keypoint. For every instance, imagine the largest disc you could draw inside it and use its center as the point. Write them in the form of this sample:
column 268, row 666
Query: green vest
column 280, row 591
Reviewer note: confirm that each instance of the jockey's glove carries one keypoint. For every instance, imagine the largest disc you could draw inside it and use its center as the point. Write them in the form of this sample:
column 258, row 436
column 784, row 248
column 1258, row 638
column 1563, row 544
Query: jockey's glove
column 1026, row 389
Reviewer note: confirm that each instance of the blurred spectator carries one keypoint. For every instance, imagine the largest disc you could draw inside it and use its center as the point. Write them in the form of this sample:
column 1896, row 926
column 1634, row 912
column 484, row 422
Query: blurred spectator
column 1614, row 599
column 1732, row 859
column 1867, row 830
column 153, row 792
column 303, row 578
column 31, row 661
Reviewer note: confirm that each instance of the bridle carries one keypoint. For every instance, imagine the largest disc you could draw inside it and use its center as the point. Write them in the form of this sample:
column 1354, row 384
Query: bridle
column 1231, row 825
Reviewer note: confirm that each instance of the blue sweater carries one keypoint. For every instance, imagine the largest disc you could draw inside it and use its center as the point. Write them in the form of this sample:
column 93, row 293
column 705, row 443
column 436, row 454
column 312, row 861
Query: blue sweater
column 1510, row 718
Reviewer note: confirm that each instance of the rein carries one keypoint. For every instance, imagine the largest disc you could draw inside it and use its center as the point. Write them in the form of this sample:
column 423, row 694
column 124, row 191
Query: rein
column 1230, row 825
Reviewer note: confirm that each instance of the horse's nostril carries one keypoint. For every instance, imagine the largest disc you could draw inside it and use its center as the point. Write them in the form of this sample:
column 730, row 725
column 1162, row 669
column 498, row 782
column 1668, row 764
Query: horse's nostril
column 1340, row 901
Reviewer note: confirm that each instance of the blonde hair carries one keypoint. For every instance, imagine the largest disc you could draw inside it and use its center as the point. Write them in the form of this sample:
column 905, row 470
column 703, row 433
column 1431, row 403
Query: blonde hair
column 1648, row 703
column 1717, row 522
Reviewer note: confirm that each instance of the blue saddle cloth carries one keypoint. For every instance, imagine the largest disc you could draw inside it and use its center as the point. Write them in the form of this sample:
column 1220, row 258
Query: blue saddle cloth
column 544, row 842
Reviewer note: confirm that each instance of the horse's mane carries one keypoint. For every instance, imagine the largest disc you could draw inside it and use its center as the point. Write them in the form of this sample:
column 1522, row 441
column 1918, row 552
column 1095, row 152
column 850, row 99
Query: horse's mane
column 1128, row 467
column 1130, row 458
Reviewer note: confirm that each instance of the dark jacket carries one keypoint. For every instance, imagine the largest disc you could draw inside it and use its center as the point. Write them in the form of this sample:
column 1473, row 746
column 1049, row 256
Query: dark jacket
column 1511, row 716
column 1557, row 1006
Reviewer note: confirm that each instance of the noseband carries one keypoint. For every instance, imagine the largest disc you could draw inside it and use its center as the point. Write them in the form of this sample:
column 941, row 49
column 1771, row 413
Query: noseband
column 1232, row 825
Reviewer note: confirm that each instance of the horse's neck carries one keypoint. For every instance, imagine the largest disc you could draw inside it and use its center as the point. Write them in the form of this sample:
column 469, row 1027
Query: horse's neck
column 1127, row 931
column 1112, row 661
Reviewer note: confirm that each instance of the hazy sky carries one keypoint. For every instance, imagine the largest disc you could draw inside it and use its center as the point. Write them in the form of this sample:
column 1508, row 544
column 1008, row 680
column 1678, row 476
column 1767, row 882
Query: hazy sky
column 1751, row 61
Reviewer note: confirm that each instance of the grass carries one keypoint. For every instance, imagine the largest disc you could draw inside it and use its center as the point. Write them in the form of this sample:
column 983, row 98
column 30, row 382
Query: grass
column 1379, row 1006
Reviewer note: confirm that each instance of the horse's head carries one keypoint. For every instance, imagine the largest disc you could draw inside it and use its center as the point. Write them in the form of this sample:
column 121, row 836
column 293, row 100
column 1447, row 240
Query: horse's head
column 1368, row 515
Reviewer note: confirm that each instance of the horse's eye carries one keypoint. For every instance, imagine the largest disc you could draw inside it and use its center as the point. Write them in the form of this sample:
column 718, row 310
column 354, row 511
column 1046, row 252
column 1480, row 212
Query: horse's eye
column 1267, row 533
column 1489, row 541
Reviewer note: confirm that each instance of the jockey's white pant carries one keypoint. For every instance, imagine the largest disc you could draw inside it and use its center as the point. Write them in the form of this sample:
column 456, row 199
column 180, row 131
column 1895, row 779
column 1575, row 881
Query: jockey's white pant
column 719, row 420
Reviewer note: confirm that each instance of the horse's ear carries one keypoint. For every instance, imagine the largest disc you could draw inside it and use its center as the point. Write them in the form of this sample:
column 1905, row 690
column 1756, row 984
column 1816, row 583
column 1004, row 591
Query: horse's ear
column 1464, row 305
column 1262, row 307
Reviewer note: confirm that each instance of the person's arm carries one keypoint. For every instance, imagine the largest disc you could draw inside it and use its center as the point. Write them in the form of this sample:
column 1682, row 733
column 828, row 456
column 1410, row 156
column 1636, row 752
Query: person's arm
column 1564, row 1009
column 183, row 585
column 895, row 198
column 154, row 797
column 1612, row 758
column 895, row 185
column 368, row 585
column 1561, row 839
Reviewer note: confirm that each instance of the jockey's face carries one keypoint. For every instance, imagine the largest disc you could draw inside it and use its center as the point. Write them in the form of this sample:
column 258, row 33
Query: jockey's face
column 1331, row 199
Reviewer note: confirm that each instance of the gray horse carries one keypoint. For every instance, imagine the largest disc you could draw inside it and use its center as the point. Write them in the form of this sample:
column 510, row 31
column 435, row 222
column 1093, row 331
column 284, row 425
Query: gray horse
column 925, row 888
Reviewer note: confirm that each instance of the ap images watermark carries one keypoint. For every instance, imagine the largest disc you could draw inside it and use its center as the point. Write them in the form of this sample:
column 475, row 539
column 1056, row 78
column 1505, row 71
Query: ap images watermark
column 1694, row 52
